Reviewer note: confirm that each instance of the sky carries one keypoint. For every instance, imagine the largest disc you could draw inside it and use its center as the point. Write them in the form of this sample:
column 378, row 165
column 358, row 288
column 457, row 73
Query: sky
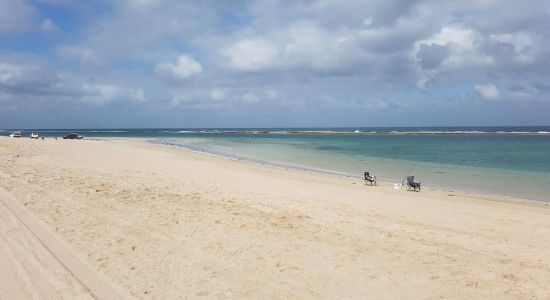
column 270, row 63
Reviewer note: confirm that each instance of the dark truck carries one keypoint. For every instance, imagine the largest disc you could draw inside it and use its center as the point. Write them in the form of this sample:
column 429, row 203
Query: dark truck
column 73, row 136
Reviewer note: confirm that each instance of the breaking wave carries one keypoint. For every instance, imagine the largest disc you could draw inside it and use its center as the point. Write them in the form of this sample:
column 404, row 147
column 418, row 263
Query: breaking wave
column 358, row 132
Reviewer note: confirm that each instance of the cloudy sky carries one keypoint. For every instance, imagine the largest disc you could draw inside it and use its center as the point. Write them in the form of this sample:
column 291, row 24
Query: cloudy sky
column 269, row 63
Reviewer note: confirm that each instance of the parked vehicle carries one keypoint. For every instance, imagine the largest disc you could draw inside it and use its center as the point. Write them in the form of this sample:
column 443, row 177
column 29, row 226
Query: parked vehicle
column 16, row 134
column 34, row 135
column 73, row 136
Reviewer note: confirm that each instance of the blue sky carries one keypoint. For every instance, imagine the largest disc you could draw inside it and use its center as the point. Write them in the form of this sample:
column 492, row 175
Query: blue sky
column 158, row 63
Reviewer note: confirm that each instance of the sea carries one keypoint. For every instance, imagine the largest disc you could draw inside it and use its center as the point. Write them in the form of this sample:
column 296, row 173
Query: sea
column 509, row 162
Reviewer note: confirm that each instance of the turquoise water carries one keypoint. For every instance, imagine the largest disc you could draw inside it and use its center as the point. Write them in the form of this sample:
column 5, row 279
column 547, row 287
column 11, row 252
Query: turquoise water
column 488, row 165
column 507, row 161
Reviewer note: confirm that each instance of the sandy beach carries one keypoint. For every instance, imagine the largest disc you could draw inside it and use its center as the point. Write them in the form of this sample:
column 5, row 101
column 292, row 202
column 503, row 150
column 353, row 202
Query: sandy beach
column 152, row 221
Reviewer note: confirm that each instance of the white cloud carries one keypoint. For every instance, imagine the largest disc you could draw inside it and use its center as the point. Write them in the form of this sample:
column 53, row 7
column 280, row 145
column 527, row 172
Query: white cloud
column 104, row 93
column 250, row 98
column 16, row 16
column 217, row 94
column 256, row 96
column 462, row 37
column 303, row 45
column 23, row 72
column 423, row 82
column 251, row 55
column 11, row 74
column 487, row 91
column 310, row 46
column 231, row 98
column 520, row 95
column 81, row 54
column 142, row 4
column 184, row 68
column 27, row 77
column 525, row 45
column 271, row 94
column 298, row 52
column 198, row 99
column 48, row 25
column 463, row 47
column 56, row 2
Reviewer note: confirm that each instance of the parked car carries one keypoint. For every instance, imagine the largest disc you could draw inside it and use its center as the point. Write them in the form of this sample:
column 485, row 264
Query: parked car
column 73, row 136
column 34, row 135
column 16, row 134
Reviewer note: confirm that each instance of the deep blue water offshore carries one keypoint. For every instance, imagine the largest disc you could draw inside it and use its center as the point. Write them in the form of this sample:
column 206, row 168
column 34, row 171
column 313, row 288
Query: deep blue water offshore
column 506, row 161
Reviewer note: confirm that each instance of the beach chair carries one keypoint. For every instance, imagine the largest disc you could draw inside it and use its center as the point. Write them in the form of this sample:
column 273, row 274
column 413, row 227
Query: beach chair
column 371, row 180
column 411, row 184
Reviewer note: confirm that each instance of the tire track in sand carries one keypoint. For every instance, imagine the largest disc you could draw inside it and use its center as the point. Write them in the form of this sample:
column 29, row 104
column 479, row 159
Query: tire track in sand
column 96, row 286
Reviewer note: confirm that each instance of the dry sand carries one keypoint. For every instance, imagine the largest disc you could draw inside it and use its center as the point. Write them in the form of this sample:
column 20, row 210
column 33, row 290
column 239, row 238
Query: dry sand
column 157, row 222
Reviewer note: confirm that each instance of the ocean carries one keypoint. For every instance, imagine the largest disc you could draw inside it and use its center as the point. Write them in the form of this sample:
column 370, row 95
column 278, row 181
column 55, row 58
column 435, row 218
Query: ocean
column 502, row 161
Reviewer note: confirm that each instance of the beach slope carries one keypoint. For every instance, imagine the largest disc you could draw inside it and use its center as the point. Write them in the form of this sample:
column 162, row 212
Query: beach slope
column 162, row 222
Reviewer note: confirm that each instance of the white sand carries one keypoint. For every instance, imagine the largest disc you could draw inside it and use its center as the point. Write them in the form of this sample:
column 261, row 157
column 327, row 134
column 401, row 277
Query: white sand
column 165, row 223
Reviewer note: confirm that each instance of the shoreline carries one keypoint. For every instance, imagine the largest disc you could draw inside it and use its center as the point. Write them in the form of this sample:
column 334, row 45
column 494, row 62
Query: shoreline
column 384, row 181
column 388, row 182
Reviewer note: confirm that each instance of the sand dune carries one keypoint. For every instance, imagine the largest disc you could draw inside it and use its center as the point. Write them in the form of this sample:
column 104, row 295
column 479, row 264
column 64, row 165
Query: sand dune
column 165, row 223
